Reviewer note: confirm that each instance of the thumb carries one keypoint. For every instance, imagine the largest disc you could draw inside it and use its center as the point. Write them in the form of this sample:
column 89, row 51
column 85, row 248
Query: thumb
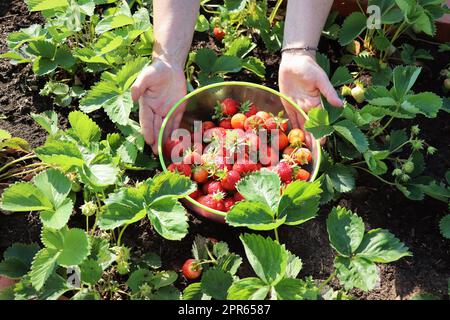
column 142, row 83
column 329, row 92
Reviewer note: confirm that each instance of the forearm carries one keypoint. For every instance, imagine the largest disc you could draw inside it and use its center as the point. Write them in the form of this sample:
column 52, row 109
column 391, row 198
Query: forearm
column 305, row 20
column 174, row 23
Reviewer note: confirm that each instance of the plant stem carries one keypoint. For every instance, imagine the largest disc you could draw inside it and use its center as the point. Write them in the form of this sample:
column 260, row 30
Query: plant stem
column 276, row 235
column 87, row 224
column 327, row 280
column 360, row 6
column 119, row 240
column 273, row 14
column 375, row 175
column 397, row 34
column 8, row 175
column 26, row 157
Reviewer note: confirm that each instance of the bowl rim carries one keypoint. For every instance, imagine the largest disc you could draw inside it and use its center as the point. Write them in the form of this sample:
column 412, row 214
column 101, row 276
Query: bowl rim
column 223, row 84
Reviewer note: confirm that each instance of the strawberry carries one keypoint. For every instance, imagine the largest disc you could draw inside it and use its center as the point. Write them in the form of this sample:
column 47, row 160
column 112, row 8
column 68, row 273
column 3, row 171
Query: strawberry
column 229, row 107
column 238, row 197
column 206, row 125
column 284, row 170
column 263, row 115
column 248, row 108
column 200, row 175
column 277, row 122
column 289, row 150
column 181, row 168
column 192, row 157
column 238, row 121
column 170, row 145
column 196, row 194
column 296, row 137
column 302, row 174
column 302, row 156
column 253, row 122
column 219, row 34
column 269, row 157
column 228, row 203
column 252, row 140
column 283, row 141
column 191, row 269
column 230, row 179
column 212, row 187
column 226, row 124
column 213, row 201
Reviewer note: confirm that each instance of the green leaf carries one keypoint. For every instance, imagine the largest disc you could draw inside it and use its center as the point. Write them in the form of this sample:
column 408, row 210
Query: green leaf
column 300, row 202
column 59, row 217
column 205, row 59
column 294, row 266
column 254, row 65
column 215, row 283
column 90, row 271
column 113, row 22
column 43, row 66
column 169, row 184
column 295, row 289
column 374, row 161
column 341, row 76
column 202, row 24
column 261, row 252
column 318, row 123
column 54, row 185
column 41, row 5
column 345, row 231
column 352, row 27
column 44, row 263
column 169, row 218
column 64, row 154
column 379, row 245
column 47, row 120
column 263, row 186
column 444, row 226
column 99, row 175
column 24, row 197
column 253, row 215
column 129, row 72
column 248, row 289
column 123, row 207
column 75, row 248
column 119, row 107
column 366, row 61
column 349, row 131
column 98, row 96
column 404, row 78
column 341, row 177
column 239, row 47
column 193, row 291
column 427, row 103
column 381, row 42
column 17, row 260
column 397, row 138
column 225, row 64
column 164, row 278
column 235, row 6
column 86, row 129
column 356, row 273
column 86, row 294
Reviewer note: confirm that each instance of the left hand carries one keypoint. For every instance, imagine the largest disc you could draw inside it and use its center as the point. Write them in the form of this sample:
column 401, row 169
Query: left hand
column 303, row 80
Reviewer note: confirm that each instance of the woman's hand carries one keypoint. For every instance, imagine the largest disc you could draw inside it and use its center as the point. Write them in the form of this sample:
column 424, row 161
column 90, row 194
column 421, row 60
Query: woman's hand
column 303, row 80
column 158, row 88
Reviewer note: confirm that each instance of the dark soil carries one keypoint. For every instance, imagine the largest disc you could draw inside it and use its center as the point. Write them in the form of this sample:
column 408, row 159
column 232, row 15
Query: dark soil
column 415, row 223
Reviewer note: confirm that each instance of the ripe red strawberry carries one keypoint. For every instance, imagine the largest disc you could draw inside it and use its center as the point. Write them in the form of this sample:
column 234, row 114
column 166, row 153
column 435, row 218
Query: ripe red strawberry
column 196, row 194
column 269, row 157
column 170, row 145
column 181, row 168
column 248, row 108
column 229, row 107
column 263, row 115
column 274, row 123
column 213, row 201
column 212, row 187
column 200, row 175
column 252, row 140
column 226, row 124
column 230, row 179
column 289, row 150
column 238, row 197
column 192, row 157
column 284, row 170
column 206, row 125
column 253, row 122
column 283, row 141
column 228, row 203
column 219, row 34
column 302, row 174
column 191, row 269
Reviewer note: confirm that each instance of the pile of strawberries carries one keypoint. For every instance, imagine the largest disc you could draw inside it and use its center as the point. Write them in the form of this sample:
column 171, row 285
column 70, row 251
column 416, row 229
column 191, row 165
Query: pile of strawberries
column 240, row 141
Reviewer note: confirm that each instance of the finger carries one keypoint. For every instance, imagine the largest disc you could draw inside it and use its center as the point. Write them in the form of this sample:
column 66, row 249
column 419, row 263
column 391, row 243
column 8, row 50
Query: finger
column 329, row 92
column 157, row 122
column 140, row 85
column 146, row 121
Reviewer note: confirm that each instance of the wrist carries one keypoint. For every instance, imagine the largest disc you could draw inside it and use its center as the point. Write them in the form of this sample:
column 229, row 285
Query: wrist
column 299, row 52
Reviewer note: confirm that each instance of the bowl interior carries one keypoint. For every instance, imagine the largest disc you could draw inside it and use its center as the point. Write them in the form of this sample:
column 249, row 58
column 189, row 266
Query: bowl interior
column 199, row 105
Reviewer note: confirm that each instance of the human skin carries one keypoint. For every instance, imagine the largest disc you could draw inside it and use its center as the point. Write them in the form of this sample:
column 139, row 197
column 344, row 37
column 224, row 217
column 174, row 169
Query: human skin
column 162, row 84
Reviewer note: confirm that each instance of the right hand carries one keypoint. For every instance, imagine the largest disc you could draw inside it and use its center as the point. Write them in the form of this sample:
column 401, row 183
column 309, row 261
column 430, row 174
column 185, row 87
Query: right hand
column 157, row 88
